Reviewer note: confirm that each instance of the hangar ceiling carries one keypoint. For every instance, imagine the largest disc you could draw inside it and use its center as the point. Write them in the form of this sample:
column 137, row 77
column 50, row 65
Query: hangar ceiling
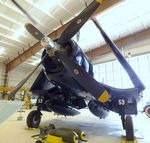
column 124, row 19
column 48, row 13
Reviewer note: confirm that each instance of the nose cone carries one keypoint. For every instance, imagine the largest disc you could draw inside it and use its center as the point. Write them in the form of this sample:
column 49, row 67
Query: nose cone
column 47, row 42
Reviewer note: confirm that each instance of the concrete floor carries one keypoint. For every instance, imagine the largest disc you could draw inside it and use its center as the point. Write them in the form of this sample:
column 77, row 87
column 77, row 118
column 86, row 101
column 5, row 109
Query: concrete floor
column 98, row 131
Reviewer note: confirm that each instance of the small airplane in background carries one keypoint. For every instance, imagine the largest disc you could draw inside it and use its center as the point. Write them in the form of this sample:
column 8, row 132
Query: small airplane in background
column 66, row 83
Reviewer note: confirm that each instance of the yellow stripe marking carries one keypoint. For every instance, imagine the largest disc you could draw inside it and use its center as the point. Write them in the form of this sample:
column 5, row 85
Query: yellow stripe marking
column 124, row 140
column 104, row 97
column 99, row 1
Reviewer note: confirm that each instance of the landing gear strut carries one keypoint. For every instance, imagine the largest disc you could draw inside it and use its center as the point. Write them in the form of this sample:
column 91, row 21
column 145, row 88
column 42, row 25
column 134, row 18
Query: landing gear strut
column 128, row 126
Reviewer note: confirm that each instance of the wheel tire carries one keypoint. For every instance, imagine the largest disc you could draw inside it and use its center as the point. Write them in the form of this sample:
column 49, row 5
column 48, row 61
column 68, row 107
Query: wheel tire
column 147, row 110
column 129, row 128
column 33, row 119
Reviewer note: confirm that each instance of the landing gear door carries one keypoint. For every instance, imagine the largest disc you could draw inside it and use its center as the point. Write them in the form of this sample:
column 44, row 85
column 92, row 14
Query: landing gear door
column 40, row 102
column 126, row 106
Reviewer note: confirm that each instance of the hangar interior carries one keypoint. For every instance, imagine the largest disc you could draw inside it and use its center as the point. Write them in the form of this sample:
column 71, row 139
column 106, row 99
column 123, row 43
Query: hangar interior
column 126, row 22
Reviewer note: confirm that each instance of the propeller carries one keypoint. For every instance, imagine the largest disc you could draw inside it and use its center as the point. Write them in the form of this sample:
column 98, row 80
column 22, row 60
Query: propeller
column 34, row 31
column 78, row 22
column 68, row 33
column 73, row 27
column 24, row 11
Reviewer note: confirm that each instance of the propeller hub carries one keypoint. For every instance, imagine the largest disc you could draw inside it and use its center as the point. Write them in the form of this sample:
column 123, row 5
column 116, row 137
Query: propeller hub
column 49, row 45
column 47, row 42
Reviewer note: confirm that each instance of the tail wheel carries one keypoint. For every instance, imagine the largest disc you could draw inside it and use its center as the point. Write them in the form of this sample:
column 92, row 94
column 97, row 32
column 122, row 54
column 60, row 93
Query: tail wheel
column 33, row 119
column 147, row 111
column 38, row 141
column 129, row 128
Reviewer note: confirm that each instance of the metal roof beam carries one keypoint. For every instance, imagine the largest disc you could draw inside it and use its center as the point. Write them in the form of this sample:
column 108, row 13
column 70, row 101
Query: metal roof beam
column 125, row 41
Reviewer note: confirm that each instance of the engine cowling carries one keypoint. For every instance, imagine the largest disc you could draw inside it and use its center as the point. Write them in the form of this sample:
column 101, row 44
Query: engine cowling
column 98, row 109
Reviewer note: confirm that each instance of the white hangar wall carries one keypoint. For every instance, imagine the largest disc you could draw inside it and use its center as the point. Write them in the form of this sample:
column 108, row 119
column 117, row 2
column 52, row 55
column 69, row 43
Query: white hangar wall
column 19, row 73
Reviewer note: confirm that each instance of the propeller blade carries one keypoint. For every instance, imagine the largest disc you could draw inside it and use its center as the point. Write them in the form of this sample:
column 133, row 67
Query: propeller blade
column 13, row 92
column 78, row 36
column 78, row 22
column 24, row 11
column 34, row 31
column 94, row 87
column 133, row 76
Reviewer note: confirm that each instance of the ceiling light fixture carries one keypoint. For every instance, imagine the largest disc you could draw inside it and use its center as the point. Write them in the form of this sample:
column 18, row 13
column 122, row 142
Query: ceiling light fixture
column 35, row 62
column 18, row 33
column 2, row 50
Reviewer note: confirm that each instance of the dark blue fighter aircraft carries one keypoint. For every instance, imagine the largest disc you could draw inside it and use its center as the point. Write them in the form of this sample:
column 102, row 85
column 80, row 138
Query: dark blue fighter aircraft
column 66, row 81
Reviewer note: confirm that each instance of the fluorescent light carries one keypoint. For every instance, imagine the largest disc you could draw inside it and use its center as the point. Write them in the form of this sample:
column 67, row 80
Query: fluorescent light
column 35, row 62
column 2, row 51
column 18, row 33
column 48, row 6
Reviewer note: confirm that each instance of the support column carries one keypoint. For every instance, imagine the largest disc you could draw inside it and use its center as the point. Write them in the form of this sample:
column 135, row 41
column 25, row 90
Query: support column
column 4, row 95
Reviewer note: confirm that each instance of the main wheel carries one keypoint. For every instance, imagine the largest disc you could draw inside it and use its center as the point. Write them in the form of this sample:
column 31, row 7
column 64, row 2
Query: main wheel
column 129, row 128
column 147, row 110
column 33, row 119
